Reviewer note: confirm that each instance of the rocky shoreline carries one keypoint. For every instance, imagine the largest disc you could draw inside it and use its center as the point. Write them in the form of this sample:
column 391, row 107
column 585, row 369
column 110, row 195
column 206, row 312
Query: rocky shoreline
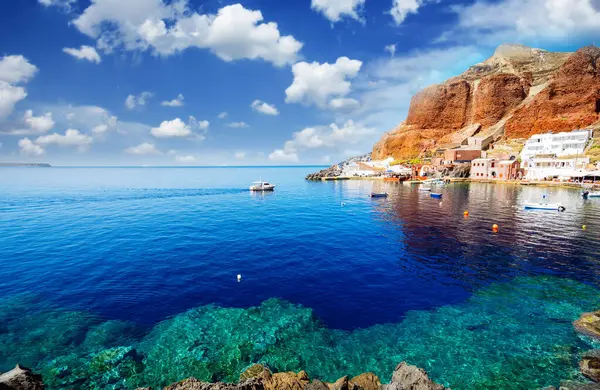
column 404, row 377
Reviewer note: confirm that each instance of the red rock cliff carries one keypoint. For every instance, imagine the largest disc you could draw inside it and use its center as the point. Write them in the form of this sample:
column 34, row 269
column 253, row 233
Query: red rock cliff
column 518, row 92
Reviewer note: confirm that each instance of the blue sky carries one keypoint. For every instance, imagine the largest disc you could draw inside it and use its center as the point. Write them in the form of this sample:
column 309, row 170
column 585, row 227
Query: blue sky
column 256, row 82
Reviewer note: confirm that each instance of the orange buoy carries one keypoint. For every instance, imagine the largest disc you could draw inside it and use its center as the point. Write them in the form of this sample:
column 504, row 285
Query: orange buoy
column 466, row 213
column 495, row 228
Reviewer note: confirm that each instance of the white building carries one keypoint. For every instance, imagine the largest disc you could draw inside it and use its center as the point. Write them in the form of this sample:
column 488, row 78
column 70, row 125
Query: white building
column 543, row 168
column 559, row 145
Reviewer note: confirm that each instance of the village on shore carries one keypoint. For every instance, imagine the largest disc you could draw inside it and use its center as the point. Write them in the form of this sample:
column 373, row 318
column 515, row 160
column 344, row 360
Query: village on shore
column 543, row 159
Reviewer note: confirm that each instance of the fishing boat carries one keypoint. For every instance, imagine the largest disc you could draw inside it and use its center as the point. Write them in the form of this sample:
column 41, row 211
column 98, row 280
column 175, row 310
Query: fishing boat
column 379, row 194
column 435, row 195
column 543, row 206
column 262, row 186
column 588, row 194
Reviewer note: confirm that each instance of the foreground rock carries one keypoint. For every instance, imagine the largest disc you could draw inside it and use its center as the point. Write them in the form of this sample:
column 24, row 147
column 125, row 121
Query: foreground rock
column 590, row 365
column 589, row 324
column 407, row 377
column 20, row 378
column 195, row 384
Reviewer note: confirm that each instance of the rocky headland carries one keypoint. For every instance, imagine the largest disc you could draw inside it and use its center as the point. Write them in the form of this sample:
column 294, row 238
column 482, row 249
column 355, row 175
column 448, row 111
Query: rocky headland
column 518, row 92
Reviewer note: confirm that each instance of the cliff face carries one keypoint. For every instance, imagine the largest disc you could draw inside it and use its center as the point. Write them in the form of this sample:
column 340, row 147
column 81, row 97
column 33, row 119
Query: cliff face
column 517, row 92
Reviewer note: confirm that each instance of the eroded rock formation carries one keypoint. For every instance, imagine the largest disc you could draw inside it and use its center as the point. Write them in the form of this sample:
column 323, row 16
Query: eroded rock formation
column 589, row 324
column 20, row 378
column 518, row 92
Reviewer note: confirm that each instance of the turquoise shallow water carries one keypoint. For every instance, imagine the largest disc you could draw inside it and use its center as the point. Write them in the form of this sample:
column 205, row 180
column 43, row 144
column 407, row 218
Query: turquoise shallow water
column 117, row 278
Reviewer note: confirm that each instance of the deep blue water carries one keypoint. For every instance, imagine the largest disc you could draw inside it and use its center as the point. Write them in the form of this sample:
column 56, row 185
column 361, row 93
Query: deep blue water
column 145, row 244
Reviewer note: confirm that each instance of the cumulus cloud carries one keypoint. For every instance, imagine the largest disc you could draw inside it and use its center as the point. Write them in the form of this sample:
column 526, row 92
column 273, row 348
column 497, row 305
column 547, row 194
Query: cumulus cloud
column 87, row 53
column 71, row 137
column 166, row 28
column 134, row 101
column 316, row 83
column 178, row 128
column 238, row 125
column 177, row 102
column 33, row 124
column 185, row 159
column 222, row 115
column 143, row 149
column 334, row 10
column 28, row 148
column 66, row 4
column 344, row 104
column 14, row 70
column 402, row 8
column 264, row 108
column 332, row 136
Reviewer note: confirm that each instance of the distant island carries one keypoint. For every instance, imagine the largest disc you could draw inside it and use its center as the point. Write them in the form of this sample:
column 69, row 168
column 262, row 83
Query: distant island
column 32, row 165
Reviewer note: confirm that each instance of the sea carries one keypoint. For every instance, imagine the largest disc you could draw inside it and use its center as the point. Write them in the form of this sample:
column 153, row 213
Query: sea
column 122, row 277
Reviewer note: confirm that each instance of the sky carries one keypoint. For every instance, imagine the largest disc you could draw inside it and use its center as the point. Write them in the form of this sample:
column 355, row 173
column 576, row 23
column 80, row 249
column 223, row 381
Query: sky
column 246, row 82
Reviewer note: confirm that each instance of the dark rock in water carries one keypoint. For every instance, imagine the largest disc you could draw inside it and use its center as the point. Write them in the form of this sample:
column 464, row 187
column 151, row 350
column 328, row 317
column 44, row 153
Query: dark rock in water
column 20, row 378
column 407, row 377
column 366, row 381
column 590, row 365
column 570, row 385
column 195, row 384
column 316, row 385
column 589, row 324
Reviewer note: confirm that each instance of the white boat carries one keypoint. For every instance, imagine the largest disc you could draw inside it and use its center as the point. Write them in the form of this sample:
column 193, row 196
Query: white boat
column 588, row 194
column 425, row 189
column 543, row 206
column 262, row 186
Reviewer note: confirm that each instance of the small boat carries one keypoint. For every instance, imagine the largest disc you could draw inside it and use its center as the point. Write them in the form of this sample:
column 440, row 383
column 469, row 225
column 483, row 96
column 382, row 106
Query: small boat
column 435, row 195
column 588, row 194
column 425, row 189
column 543, row 206
column 379, row 194
column 262, row 186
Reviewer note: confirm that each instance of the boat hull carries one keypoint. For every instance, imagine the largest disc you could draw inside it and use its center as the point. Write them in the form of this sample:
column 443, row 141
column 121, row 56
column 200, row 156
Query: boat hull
column 541, row 206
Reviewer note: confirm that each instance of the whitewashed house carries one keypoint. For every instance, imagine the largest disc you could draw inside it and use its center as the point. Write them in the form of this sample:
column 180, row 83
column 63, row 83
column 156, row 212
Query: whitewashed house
column 562, row 144
column 547, row 168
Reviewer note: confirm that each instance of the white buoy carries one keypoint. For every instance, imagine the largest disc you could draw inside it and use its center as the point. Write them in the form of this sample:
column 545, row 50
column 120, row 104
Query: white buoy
column 239, row 278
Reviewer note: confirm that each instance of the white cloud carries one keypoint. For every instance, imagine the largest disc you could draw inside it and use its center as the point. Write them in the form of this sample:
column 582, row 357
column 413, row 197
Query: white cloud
column 94, row 118
column 185, row 159
column 28, row 148
column 238, row 125
column 34, row 124
column 344, row 104
column 167, row 28
column 143, row 149
column 87, row 53
column 335, row 9
column 240, row 155
column 202, row 125
column 70, row 138
column 66, row 4
column 222, row 115
column 543, row 20
column 134, row 101
column 402, row 8
column 264, row 108
column 391, row 49
column 316, row 83
column 281, row 155
column 174, row 128
column 332, row 136
column 14, row 70
column 177, row 102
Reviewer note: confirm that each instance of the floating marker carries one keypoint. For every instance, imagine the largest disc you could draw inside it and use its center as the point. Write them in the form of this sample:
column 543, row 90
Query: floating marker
column 466, row 213
column 495, row 228
column 584, row 227
column 239, row 278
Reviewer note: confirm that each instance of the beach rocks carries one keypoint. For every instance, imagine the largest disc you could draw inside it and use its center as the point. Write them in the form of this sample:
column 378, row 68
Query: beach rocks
column 367, row 381
column 406, row 377
column 20, row 378
column 278, row 381
column 590, row 365
column 195, row 384
column 589, row 324
column 332, row 171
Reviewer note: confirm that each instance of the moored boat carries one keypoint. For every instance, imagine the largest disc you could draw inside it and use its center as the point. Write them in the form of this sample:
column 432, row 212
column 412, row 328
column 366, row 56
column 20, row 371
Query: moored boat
column 435, row 195
column 543, row 206
column 379, row 194
column 425, row 189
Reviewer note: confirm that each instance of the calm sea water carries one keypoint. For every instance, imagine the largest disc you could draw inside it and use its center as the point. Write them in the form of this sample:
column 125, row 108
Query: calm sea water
column 142, row 245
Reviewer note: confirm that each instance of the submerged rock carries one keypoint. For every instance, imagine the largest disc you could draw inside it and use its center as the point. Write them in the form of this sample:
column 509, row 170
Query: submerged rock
column 589, row 324
column 408, row 377
column 590, row 365
column 20, row 378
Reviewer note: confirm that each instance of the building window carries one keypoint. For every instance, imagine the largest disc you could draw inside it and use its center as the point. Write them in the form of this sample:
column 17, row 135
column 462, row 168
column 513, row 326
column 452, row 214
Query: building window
column 493, row 164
